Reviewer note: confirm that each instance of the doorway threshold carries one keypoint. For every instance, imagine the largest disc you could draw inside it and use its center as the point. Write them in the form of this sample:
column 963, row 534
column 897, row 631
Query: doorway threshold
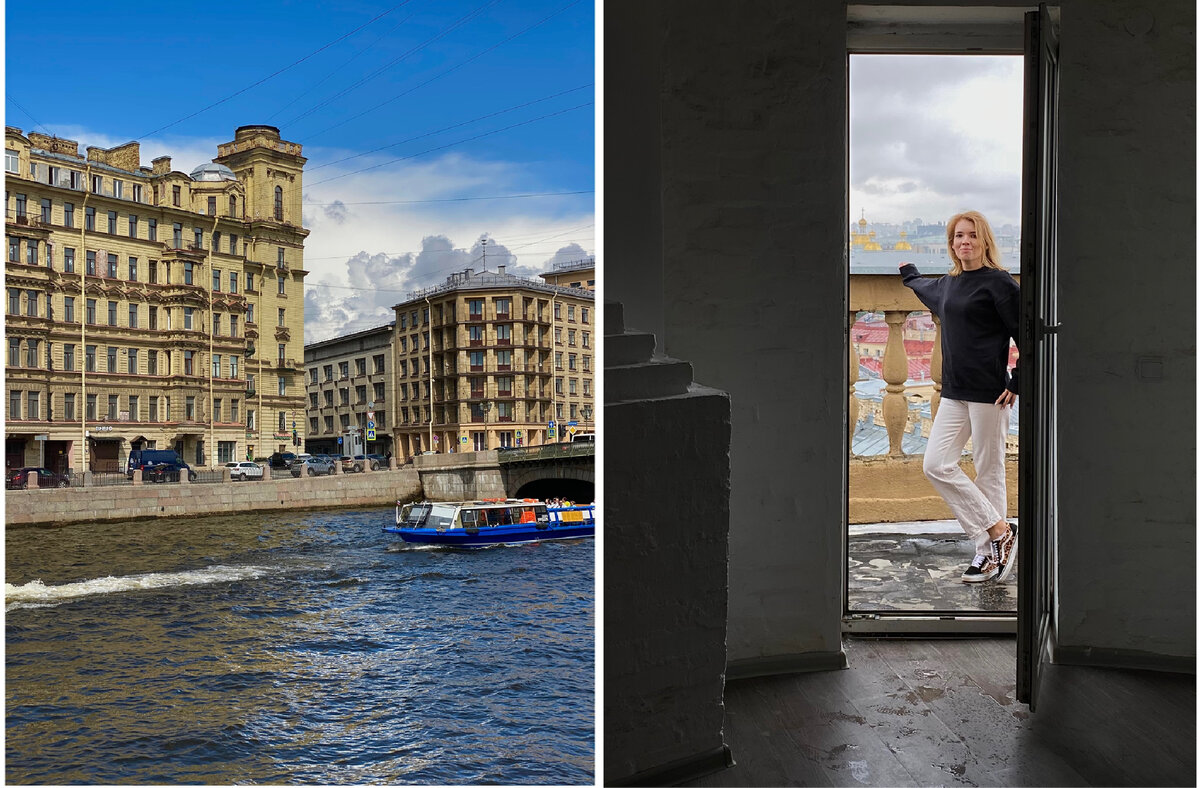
column 945, row 625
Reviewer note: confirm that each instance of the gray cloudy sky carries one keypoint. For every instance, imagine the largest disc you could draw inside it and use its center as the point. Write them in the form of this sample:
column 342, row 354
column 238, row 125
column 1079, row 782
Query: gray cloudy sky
column 932, row 135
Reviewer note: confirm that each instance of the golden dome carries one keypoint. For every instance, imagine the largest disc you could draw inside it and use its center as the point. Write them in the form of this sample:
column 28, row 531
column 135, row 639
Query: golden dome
column 902, row 245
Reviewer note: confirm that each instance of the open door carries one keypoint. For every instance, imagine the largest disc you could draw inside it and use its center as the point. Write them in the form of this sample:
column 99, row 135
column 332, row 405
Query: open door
column 1037, row 478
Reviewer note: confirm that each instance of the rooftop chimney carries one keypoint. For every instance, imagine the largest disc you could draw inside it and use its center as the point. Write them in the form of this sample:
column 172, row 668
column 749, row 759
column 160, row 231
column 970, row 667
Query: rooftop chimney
column 500, row 269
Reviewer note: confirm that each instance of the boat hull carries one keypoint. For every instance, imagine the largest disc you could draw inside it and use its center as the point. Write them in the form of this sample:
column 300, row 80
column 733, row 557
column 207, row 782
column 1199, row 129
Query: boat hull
column 503, row 534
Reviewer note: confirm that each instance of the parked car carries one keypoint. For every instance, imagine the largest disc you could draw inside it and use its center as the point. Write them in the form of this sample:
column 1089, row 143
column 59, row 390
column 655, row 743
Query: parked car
column 140, row 458
column 350, row 464
column 313, row 466
column 244, row 470
column 18, row 478
column 166, row 472
column 377, row 460
column 281, row 459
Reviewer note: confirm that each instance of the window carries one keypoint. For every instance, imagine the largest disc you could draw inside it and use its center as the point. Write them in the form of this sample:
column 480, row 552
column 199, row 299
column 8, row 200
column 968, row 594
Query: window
column 188, row 269
column 360, row 395
column 504, row 334
column 360, row 364
column 328, row 368
column 154, row 409
column 212, row 205
column 112, row 266
column 233, row 277
column 282, row 355
column 587, row 363
column 91, row 311
column 69, row 358
column 91, row 263
column 233, row 411
column 504, row 412
column 216, row 241
column 133, row 315
column 14, row 250
column 131, row 361
column 133, row 266
column 282, row 288
column 329, row 423
column 216, row 318
column 571, row 338
column 250, row 419
column 586, row 339
column 503, row 308
column 111, row 353
column 279, row 203
column 570, row 313
column 177, row 234
column 283, row 317
column 14, row 301
column 558, row 388
column 152, row 323
column 31, row 353
column 232, row 209
column 571, row 362
column 14, row 352
column 188, row 362
column 328, row 399
column 475, row 308
column 89, row 219
column 558, row 336
column 112, row 222
column 189, row 409
column 587, row 388
column 152, row 229
column 31, row 303
column 137, row 192
column 12, row 161
column 31, row 251
column 133, row 225
column 198, row 238
column 89, row 358
column 134, row 402
column 249, row 285
column 344, row 396
column 112, row 313
column 46, row 205
column 282, row 386
column 216, row 365
column 573, row 385
column 118, row 188
column 14, row 405
column 476, row 360
column 91, row 407
column 377, row 361
column 20, row 206
column 378, row 392
column 69, row 407
column 504, row 386
column 152, row 363
column 504, row 360
column 216, row 281
column 187, row 317
column 233, row 245
column 558, row 311
column 558, row 358
column 68, row 214
column 114, row 404
column 233, row 368
column 69, row 260
column 176, row 193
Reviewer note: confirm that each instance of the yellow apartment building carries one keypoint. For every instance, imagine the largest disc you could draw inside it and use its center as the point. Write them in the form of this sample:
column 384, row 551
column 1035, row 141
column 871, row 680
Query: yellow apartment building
column 151, row 308
column 574, row 273
column 489, row 360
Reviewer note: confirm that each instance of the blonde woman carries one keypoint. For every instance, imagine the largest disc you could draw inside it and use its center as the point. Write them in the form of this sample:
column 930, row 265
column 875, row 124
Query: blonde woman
column 978, row 304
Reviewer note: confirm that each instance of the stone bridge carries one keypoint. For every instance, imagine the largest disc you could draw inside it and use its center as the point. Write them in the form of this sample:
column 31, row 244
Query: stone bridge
column 557, row 470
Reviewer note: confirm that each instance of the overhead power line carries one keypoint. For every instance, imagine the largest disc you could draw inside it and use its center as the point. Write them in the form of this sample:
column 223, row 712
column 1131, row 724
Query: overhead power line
column 275, row 74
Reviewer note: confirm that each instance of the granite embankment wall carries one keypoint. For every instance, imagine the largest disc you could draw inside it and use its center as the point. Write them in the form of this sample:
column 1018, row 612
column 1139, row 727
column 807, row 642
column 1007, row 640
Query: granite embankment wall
column 129, row 502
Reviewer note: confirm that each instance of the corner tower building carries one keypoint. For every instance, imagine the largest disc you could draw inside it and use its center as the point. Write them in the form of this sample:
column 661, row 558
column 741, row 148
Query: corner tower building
column 150, row 308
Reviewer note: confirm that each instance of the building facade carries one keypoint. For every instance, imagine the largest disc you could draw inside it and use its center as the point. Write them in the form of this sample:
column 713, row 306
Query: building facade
column 489, row 360
column 149, row 308
column 350, row 386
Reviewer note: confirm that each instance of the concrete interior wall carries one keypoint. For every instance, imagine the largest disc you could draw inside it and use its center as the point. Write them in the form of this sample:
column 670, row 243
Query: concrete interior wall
column 750, row 127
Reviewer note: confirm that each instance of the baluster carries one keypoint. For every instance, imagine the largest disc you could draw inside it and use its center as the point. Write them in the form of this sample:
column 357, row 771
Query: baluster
column 935, row 367
column 852, row 412
column 895, row 373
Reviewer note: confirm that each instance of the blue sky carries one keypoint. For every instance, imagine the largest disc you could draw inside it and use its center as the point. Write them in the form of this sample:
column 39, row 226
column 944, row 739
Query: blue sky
column 409, row 114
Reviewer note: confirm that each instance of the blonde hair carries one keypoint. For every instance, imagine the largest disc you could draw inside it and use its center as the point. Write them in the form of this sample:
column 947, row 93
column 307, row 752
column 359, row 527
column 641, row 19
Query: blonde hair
column 991, row 254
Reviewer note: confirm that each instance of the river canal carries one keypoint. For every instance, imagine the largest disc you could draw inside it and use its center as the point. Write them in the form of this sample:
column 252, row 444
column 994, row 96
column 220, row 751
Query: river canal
column 294, row 648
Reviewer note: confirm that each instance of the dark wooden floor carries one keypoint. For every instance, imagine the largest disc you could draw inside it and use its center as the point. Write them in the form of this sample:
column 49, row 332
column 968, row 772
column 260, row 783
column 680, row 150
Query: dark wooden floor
column 943, row 712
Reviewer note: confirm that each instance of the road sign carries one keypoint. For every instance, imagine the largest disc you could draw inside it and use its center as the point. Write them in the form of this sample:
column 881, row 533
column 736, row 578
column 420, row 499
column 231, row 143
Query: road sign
column 463, row 440
column 519, row 433
column 339, row 440
column 371, row 425
column 572, row 424
column 571, row 429
column 370, row 415
column 371, row 432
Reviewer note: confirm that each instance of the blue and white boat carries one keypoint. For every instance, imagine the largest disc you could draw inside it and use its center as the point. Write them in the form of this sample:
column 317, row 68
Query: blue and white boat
column 490, row 522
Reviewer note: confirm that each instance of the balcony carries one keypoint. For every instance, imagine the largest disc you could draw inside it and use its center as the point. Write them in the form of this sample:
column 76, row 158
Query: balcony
column 894, row 391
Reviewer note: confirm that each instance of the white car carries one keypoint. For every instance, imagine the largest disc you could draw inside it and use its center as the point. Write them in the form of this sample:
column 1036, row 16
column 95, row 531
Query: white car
column 244, row 470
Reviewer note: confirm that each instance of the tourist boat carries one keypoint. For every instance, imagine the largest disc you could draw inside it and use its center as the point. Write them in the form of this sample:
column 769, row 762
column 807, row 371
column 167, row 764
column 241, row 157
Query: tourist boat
column 490, row 521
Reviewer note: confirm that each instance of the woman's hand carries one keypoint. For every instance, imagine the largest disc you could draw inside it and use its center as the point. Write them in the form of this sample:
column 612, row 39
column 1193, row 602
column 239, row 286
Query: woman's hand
column 1006, row 399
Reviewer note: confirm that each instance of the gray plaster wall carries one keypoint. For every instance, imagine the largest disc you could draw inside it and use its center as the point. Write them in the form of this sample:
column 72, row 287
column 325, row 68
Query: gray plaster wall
column 749, row 126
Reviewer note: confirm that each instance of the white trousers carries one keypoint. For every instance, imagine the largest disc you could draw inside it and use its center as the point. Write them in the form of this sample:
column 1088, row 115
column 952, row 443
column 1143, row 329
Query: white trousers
column 978, row 504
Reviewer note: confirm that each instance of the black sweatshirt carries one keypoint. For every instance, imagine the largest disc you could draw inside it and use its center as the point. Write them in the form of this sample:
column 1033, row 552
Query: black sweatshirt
column 979, row 311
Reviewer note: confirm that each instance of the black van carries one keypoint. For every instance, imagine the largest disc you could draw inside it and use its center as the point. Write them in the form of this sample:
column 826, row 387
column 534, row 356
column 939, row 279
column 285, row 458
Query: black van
column 140, row 458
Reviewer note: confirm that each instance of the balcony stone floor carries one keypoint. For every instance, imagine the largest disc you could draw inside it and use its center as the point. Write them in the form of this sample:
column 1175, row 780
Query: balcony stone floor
column 915, row 566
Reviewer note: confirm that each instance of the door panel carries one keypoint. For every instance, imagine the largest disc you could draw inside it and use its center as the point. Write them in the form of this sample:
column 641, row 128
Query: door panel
column 1038, row 489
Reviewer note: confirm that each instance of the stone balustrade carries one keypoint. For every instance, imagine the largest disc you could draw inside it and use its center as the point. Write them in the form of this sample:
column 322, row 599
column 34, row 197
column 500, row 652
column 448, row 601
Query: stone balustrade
column 893, row 488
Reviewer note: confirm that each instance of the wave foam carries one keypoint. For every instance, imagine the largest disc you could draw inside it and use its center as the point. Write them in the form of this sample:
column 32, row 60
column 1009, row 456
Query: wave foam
column 40, row 594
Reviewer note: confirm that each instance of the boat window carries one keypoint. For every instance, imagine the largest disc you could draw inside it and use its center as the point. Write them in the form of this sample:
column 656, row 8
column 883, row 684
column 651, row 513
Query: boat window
column 441, row 516
column 415, row 514
column 542, row 515
column 503, row 516
column 469, row 518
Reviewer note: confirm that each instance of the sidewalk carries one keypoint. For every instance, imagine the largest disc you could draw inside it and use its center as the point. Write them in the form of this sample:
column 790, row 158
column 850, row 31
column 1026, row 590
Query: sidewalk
column 915, row 566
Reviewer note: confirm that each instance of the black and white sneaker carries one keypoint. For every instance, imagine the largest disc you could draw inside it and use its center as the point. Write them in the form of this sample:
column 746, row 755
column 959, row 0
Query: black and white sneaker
column 983, row 567
column 1004, row 552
